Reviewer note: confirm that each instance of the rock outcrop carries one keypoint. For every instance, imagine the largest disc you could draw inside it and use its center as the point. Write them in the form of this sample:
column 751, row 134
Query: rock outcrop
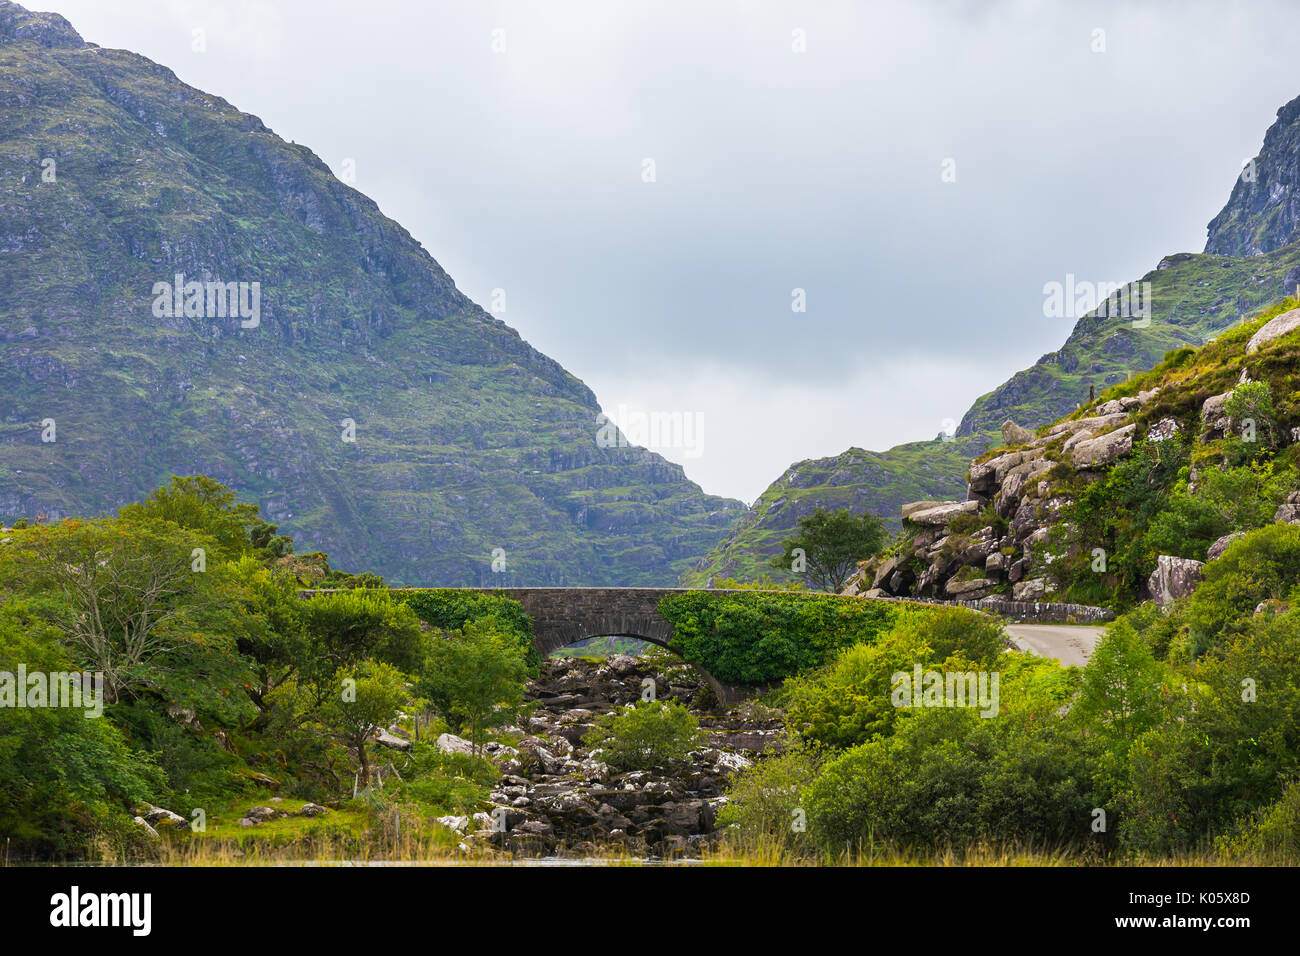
column 1104, row 449
column 958, row 552
column 1289, row 511
column 1216, row 550
column 1013, row 434
column 1173, row 578
column 1214, row 419
column 1274, row 328
column 1193, row 297
column 157, row 818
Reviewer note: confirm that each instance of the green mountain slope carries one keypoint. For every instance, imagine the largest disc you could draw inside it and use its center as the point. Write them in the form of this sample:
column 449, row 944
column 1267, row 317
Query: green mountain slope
column 115, row 177
column 861, row 480
column 1193, row 296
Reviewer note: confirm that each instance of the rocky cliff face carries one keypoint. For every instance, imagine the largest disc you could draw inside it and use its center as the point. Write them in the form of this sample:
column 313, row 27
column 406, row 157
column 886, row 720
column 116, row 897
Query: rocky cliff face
column 1263, row 213
column 327, row 367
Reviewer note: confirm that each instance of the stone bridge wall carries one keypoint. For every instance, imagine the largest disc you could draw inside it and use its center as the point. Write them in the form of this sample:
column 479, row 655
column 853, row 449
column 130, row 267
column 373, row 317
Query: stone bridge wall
column 565, row 615
column 1025, row 612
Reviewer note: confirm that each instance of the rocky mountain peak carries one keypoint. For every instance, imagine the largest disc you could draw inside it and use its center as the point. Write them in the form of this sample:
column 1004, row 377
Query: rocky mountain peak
column 1263, row 212
column 47, row 29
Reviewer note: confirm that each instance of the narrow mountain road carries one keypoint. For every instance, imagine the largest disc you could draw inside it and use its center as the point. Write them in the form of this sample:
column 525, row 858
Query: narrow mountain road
column 1068, row 643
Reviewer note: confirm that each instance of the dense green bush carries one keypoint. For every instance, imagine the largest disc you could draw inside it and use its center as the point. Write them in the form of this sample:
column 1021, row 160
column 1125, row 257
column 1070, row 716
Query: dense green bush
column 1261, row 565
column 450, row 609
column 475, row 676
column 764, row 805
column 1250, row 406
column 456, row 782
column 948, row 778
column 1224, row 499
column 1114, row 513
column 1123, row 687
column 347, row 627
column 755, row 637
column 1226, row 745
column 65, row 780
column 224, row 681
column 848, row 701
column 1270, row 835
column 650, row 734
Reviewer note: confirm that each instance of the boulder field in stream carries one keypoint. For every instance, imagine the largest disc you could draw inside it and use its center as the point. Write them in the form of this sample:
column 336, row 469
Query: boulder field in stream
column 557, row 798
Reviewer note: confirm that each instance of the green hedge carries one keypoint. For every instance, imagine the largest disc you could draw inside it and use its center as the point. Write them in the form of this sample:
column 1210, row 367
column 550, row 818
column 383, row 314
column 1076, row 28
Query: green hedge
column 755, row 637
column 451, row 608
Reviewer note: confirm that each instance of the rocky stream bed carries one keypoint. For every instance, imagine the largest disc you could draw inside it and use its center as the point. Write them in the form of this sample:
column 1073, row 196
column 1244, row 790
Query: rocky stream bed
column 555, row 799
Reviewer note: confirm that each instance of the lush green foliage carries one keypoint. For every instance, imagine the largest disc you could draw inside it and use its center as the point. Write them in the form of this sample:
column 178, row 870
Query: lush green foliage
column 646, row 735
column 764, row 582
column 1115, row 514
column 1158, row 746
column 1271, row 834
column 763, row 808
column 1225, row 499
column 366, row 699
column 848, row 701
column 1251, row 408
column 1260, row 566
column 221, row 681
column 475, row 676
column 450, row 609
column 1227, row 745
column 756, row 637
column 947, row 777
column 1123, row 687
column 64, row 778
column 198, row 503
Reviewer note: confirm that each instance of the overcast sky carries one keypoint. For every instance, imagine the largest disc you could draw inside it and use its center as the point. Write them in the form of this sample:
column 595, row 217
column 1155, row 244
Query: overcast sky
column 523, row 169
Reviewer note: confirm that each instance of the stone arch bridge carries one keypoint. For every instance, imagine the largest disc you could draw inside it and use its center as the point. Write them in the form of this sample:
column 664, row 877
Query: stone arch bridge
column 565, row 615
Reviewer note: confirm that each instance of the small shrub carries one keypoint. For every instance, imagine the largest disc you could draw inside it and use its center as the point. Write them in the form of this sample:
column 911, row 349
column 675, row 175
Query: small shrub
column 649, row 735
column 763, row 808
column 1270, row 835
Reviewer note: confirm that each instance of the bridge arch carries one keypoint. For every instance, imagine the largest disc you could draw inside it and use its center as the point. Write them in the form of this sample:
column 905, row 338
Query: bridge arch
column 565, row 615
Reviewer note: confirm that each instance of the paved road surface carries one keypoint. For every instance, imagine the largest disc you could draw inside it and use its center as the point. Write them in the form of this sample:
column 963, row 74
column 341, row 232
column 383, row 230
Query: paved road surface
column 1068, row 643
